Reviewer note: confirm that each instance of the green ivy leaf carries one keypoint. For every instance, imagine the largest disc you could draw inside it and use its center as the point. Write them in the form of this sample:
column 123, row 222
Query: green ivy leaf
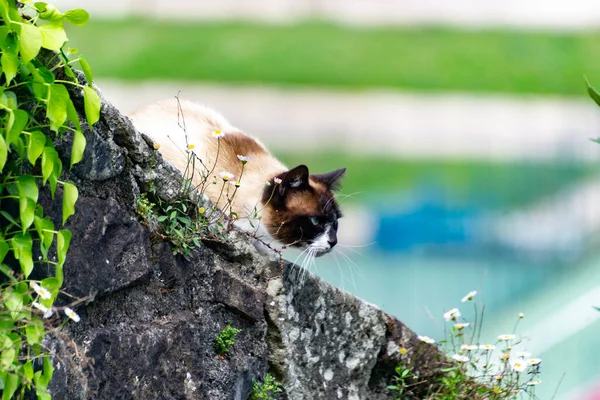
column 85, row 67
column 3, row 153
column 4, row 248
column 37, row 141
column 49, row 158
column 26, row 212
column 34, row 333
column 17, row 120
column 9, row 99
column 22, row 244
column 28, row 370
column 53, row 35
column 27, row 187
column 78, row 147
column 10, row 385
column 58, row 97
column 30, row 42
column 91, row 102
column 4, row 11
column 10, row 59
column 70, row 195
column 593, row 92
column 77, row 16
column 63, row 238
column 73, row 116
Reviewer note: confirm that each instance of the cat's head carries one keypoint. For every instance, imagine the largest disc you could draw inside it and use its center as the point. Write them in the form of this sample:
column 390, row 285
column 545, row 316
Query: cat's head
column 300, row 209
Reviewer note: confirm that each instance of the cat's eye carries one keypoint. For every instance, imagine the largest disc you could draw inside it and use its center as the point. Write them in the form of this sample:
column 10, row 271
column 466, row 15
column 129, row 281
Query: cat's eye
column 314, row 220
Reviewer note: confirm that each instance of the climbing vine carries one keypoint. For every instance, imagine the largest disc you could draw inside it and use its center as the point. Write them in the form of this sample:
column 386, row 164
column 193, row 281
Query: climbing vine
column 35, row 109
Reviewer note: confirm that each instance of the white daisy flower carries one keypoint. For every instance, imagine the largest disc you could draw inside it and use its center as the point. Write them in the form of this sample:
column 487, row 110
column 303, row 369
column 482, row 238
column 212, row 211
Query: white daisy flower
column 469, row 296
column 534, row 382
column 40, row 307
column 534, row 361
column 506, row 337
column 42, row 292
column 191, row 146
column 244, row 159
column 72, row 314
column 426, row 339
column 459, row 358
column 236, row 183
column 518, row 365
column 218, row 133
column 452, row 315
column 226, row 175
column 487, row 347
column 461, row 325
column 47, row 314
column 521, row 315
column 469, row 347
column 277, row 181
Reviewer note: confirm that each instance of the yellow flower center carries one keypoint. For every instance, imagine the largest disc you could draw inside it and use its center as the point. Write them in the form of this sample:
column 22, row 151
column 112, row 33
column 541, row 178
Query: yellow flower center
column 191, row 147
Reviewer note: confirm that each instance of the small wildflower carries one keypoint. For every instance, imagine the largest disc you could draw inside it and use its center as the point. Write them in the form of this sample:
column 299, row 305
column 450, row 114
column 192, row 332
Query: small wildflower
column 72, row 314
column 523, row 354
column 534, row 382
column 469, row 347
column 534, row 361
column 267, row 183
column 459, row 358
column 47, row 314
column 505, row 356
column 426, row 339
column 277, row 181
column 191, row 146
column 236, row 183
column 244, row 159
column 498, row 377
column 226, row 175
column 40, row 307
column 42, row 292
column 461, row 325
column 469, row 296
column 487, row 347
column 218, row 134
column 506, row 337
column 518, row 365
column 497, row 390
column 452, row 315
column 156, row 146
column 201, row 210
column 403, row 350
column 521, row 315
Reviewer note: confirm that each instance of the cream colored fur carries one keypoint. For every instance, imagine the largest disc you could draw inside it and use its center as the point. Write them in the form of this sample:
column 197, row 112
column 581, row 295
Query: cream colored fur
column 164, row 121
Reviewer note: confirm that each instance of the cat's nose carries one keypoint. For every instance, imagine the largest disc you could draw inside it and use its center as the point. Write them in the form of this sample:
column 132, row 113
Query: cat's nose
column 332, row 241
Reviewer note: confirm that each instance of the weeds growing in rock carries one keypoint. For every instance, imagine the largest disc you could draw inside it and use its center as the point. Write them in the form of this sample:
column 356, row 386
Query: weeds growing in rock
column 502, row 370
column 225, row 339
column 36, row 110
column 265, row 389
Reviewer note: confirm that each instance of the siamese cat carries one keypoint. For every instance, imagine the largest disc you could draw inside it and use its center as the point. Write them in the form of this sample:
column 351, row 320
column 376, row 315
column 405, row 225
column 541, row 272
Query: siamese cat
column 294, row 207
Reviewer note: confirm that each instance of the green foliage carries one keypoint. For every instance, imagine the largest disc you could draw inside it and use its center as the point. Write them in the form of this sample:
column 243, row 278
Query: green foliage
column 225, row 339
column 320, row 54
column 35, row 109
column 264, row 390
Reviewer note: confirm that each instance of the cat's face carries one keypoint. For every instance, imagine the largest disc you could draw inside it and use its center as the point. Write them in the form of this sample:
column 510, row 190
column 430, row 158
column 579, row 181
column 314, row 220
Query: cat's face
column 301, row 210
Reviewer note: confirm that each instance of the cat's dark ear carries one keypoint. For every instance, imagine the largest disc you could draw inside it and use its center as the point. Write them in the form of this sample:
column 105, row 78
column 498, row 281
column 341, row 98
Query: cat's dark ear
column 331, row 179
column 296, row 178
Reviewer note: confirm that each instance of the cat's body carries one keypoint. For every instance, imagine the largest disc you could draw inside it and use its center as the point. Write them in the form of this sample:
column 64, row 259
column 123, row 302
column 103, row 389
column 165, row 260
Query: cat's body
column 300, row 210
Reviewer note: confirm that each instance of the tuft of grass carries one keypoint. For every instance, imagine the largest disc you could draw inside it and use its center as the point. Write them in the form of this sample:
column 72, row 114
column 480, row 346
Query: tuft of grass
column 225, row 339
column 264, row 390
column 316, row 53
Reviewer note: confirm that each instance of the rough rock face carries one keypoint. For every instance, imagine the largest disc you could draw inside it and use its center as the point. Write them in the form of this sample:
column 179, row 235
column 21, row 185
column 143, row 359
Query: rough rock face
column 149, row 319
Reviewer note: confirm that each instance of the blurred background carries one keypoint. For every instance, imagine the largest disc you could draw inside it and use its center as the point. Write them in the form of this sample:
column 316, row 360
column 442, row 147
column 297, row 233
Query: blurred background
column 465, row 128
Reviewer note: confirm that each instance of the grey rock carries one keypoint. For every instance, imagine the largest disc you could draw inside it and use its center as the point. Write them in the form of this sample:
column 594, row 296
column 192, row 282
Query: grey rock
column 149, row 318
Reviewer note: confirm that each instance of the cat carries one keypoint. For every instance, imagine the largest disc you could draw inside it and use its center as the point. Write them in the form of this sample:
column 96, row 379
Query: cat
column 294, row 207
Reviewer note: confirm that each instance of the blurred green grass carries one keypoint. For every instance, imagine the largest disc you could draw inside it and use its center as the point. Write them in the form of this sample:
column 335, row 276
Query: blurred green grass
column 500, row 186
column 321, row 54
